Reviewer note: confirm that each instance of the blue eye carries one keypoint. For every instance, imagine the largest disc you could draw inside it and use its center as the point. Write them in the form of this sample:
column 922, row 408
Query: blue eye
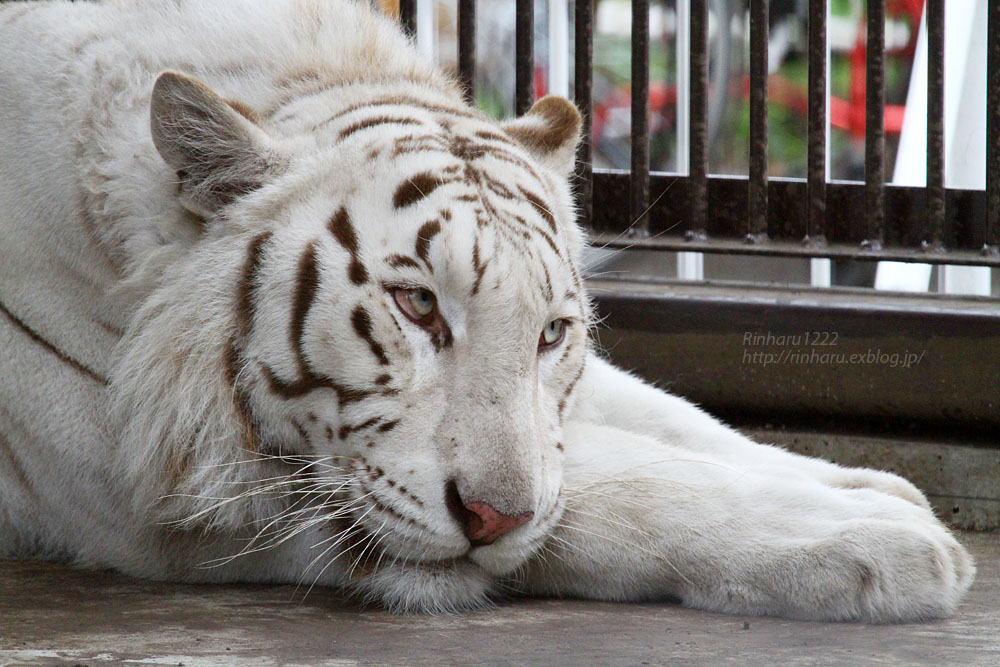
column 552, row 334
column 416, row 303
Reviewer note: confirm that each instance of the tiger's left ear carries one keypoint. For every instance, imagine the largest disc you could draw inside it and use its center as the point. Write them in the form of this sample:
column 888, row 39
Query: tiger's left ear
column 550, row 131
column 218, row 153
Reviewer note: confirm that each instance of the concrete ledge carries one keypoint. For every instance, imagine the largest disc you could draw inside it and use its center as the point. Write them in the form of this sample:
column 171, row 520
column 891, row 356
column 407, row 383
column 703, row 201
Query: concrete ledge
column 53, row 615
column 962, row 482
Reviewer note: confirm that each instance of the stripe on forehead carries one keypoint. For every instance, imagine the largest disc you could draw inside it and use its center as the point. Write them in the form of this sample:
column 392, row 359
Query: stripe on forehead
column 424, row 236
column 375, row 121
column 418, row 187
column 398, row 101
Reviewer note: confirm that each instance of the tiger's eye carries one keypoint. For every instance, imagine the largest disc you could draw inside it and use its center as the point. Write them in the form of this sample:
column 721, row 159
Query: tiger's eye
column 416, row 303
column 552, row 334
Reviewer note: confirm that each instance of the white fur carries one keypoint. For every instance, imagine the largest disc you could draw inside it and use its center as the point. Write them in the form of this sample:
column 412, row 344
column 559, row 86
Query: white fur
column 148, row 445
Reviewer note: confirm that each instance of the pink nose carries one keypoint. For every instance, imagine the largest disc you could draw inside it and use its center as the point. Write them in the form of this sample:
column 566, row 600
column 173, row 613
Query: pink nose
column 480, row 521
column 483, row 524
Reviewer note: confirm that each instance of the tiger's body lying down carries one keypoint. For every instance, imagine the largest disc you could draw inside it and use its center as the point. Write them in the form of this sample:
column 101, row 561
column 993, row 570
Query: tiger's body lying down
column 297, row 313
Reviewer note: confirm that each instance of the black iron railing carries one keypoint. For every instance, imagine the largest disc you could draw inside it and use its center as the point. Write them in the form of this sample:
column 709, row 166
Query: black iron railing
column 810, row 217
column 693, row 336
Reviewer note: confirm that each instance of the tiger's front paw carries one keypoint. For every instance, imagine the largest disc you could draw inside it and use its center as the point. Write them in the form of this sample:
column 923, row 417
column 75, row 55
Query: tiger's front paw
column 884, row 571
column 876, row 480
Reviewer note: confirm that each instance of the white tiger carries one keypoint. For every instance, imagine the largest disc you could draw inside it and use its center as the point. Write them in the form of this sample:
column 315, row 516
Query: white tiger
column 278, row 306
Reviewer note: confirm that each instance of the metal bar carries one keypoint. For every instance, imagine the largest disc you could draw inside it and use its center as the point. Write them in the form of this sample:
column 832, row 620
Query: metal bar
column 582, row 94
column 875, row 125
column 816, row 230
column 408, row 17
column 467, row 48
column 935, row 125
column 697, row 204
column 639, row 190
column 992, row 241
column 757, row 194
column 905, row 209
column 794, row 249
column 524, row 48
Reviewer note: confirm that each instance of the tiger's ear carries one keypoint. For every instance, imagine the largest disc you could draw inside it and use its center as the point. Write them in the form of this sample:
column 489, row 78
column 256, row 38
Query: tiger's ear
column 218, row 153
column 550, row 131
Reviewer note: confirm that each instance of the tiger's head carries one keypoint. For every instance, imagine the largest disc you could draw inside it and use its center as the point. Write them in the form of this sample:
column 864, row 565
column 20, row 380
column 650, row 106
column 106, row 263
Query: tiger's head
column 373, row 337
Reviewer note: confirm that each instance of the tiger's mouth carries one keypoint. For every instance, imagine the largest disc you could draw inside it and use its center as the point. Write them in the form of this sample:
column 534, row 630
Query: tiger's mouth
column 399, row 540
column 363, row 552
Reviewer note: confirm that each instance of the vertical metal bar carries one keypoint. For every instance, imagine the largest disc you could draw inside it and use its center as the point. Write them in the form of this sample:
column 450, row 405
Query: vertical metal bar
column 639, row 181
column 698, row 120
column 816, row 230
column 408, row 17
column 467, row 48
column 934, row 234
column 992, row 241
column 582, row 94
column 757, row 193
column 524, row 71
column 875, row 126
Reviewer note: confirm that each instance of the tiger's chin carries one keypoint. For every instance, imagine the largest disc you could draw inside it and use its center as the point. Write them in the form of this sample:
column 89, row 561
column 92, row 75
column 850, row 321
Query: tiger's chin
column 436, row 587
column 422, row 581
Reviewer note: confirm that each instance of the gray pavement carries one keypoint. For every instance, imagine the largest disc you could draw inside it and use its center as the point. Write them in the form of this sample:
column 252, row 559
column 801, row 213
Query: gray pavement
column 53, row 615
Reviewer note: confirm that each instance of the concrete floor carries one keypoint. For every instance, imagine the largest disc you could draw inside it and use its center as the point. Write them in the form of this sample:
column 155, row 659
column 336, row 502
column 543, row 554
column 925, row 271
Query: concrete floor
column 52, row 615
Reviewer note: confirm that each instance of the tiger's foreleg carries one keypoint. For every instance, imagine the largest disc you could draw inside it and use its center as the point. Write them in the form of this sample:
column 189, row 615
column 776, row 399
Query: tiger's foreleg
column 610, row 396
column 645, row 520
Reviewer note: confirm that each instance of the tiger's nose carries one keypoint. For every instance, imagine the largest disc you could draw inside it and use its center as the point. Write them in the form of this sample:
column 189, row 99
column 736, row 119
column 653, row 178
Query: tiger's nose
column 480, row 521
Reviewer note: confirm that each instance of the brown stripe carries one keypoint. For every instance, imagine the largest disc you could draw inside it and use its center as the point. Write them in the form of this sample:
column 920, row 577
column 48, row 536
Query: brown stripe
column 374, row 122
column 498, row 188
column 111, row 329
column 343, row 230
column 362, row 323
column 397, row 261
column 62, row 356
column 20, row 475
column 306, row 285
column 247, row 284
column 416, row 188
column 570, row 387
column 300, row 387
column 388, row 426
column 400, row 100
column 426, row 232
column 440, row 333
column 479, row 267
column 412, row 143
column 543, row 210
column 303, row 433
column 347, row 429
column 241, row 396
column 487, row 135
column 548, row 283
